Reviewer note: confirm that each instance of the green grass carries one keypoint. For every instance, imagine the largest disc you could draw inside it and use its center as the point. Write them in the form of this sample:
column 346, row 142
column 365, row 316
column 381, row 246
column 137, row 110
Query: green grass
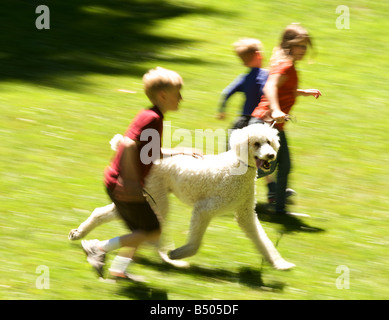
column 60, row 106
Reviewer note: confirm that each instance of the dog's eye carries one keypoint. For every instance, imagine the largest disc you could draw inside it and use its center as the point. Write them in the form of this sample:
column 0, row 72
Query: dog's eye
column 268, row 142
column 257, row 145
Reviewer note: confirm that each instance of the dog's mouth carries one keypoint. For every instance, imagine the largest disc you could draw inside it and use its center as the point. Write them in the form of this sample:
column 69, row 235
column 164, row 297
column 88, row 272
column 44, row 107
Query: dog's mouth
column 262, row 164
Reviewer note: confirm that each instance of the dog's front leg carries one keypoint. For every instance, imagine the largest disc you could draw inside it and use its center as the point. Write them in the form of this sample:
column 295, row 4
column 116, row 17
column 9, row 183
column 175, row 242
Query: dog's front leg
column 253, row 229
column 98, row 216
column 198, row 225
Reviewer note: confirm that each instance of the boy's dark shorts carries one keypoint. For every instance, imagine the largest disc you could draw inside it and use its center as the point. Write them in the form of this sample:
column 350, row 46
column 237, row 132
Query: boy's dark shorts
column 136, row 215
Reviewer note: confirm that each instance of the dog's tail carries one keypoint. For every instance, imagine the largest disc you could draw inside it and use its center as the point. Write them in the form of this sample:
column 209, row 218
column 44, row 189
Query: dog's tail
column 115, row 141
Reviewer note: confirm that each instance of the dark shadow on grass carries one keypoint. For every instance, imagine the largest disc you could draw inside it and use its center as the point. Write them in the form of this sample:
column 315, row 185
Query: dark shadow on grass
column 245, row 276
column 289, row 223
column 85, row 36
column 142, row 291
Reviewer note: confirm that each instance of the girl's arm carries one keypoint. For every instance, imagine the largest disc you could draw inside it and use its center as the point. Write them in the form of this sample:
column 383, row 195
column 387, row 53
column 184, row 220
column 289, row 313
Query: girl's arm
column 308, row 92
column 270, row 89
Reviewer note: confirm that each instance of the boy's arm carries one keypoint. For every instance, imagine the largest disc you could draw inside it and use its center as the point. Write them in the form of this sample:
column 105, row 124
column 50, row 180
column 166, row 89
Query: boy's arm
column 270, row 89
column 181, row 151
column 233, row 87
column 129, row 188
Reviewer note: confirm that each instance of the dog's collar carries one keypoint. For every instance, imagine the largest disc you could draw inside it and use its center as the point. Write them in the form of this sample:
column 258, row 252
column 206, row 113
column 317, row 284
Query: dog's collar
column 248, row 166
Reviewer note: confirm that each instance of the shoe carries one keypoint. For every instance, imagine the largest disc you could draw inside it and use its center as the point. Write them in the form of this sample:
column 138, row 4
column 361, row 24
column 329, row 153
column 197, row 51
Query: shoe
column 271, row 200
column 94, row 255
column 126, row 275
column 289, row 195
column 292, row 214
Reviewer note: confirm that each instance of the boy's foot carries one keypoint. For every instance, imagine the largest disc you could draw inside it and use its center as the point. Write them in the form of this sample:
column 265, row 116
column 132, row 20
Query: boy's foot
column 127, row 276
column 94, row 255
column 271, row 200
column 289, row 195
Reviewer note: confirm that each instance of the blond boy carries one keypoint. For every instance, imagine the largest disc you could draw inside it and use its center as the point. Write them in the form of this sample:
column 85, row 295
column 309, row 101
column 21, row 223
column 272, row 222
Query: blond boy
column 124, row 177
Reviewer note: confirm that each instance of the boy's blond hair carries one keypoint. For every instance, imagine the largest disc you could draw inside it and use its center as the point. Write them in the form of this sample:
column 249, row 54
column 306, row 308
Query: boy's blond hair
column 245, row 48
column 159, row 79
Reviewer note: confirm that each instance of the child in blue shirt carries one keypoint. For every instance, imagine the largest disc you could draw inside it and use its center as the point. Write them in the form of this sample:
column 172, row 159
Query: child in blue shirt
column 250, row 51
column 251, row 84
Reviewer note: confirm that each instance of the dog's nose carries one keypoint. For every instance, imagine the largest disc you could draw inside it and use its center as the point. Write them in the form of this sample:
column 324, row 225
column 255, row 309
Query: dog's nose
column 270, row 156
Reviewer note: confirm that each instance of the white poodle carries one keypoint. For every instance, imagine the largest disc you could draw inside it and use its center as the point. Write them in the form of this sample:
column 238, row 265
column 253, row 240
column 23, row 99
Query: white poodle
column 214, row 184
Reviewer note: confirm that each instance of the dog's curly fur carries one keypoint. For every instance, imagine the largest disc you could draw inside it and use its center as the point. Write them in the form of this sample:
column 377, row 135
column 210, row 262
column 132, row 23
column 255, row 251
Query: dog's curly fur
column 214, row 184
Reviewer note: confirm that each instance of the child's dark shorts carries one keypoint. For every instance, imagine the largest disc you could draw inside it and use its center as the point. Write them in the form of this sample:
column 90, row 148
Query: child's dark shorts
column 136, row 215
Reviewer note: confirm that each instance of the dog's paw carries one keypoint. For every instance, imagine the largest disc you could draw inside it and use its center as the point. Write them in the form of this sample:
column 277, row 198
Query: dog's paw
column 74, row 234
column 175, row 263
column 283, row 265
column 175, row 254
column 171, row 254
column 185, row 251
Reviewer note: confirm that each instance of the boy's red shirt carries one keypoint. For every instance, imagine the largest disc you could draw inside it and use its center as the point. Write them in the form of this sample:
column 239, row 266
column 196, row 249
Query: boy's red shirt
column 147, row 119
column 286, row 94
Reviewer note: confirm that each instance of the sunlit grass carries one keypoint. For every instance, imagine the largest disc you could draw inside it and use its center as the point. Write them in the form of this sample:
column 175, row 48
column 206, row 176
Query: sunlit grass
column 60, row 108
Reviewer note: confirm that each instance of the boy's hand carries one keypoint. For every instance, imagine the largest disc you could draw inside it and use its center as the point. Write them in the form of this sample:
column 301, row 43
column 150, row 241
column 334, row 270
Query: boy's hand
column 221, row 116
column 122, row 194
column 196, row 153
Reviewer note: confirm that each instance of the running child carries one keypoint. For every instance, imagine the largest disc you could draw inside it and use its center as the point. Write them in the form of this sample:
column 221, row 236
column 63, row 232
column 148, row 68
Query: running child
column 280, row 92
column 125, row 176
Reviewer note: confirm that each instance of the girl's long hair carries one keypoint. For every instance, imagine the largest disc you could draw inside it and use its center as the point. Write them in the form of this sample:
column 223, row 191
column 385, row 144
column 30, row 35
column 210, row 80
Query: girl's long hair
column 292, row 35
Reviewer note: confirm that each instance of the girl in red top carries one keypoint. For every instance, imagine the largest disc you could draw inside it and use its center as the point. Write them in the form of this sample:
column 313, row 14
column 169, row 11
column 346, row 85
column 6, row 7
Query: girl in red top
column 280, row 92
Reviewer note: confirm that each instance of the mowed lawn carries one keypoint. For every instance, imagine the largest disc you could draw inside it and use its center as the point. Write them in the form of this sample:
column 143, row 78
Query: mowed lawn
column 64, row 92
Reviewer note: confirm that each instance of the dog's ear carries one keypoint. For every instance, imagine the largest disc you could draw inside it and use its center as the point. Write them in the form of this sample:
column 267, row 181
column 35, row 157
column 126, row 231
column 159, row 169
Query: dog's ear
column 238, row 138
column 275, row 140
column 234, row 138
column 116, row 141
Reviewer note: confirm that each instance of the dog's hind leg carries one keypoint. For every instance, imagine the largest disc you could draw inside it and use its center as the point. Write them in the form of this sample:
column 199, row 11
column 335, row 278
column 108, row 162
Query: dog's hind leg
column 198, row 225
column 253, row 229
column 98, row 216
